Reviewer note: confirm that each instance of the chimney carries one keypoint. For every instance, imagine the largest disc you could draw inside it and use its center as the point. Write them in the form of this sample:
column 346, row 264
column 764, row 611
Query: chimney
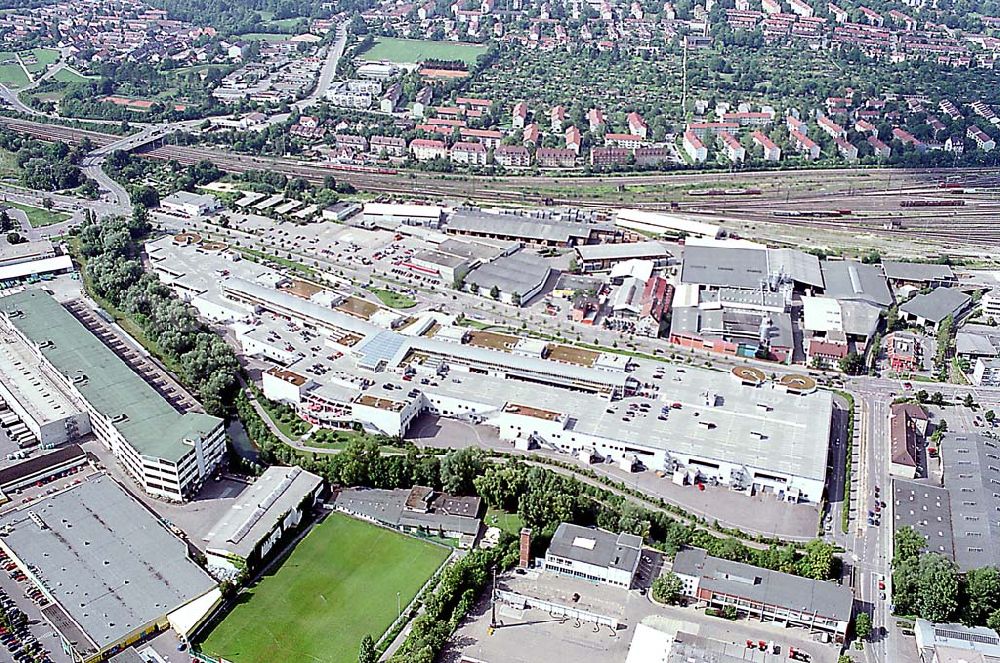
column 525, row 560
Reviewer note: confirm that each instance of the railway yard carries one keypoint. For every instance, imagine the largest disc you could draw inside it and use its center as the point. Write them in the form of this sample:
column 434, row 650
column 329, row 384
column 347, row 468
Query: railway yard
column 947, row 208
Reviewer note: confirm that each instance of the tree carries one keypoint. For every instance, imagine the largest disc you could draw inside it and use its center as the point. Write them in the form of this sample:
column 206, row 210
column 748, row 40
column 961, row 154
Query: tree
column 863, row 625
column 921, row 396
column 907, row 544
column 990, row 416
column 817, row 563
column 495, row 292
column 968, row 401
column 367, row 653
column 6, row 223
column 937, row 584
column 982, row 594
column 47, row 203
column 460, row 468
column 852, row 363
column 668, row 588
column 15, row 238
column 994, row 620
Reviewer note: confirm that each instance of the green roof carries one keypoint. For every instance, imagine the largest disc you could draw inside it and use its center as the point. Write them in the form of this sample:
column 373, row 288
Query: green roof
column 142, row 416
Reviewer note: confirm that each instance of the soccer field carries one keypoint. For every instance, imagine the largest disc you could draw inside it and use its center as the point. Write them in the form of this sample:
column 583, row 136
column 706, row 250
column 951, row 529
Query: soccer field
column 406, row 51
column 338, row 585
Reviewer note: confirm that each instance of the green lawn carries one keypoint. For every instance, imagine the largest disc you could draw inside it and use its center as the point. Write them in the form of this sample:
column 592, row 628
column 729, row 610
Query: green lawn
column 11, row 73
column 264, row 36
column 417, row 50
column 69, row 76
column 44, row 58
column 8, row 164
column 394, row 299
column 38, row 216
column 338, row 585
column 507, row 522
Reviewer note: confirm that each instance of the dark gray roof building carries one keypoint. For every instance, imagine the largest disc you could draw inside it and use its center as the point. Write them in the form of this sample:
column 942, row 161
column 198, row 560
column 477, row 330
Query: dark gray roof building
column 927, row 509
column 936, row 305
column 972, row 477
column 850, row 280
column 917, row 272
column 416, row 509
column 765, row 587
column 736, row 267
column 519, row 274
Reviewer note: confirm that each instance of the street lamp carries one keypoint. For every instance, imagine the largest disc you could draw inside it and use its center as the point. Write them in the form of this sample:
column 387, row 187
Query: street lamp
column 399, row 609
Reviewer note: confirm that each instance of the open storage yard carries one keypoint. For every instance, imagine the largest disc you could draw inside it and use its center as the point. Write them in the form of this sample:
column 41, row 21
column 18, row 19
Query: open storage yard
column 337, row 585
column 407, row 51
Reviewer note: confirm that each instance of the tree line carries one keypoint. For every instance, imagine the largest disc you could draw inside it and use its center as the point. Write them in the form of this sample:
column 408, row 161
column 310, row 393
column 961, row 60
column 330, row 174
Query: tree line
column 205, row 363
column 44, row 166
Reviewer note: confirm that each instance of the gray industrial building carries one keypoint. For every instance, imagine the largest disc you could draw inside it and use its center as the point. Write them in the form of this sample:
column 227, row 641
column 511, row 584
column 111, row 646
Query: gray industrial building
column 972, row 477
column 820, row 606
column 112, row 571
column 517, row 278
column 849, row 280
column 717, row 265
column 931, row 309
column 917, row 273
column 419, row 510
column 594, row 554
column 927, row 509
column 529, row 230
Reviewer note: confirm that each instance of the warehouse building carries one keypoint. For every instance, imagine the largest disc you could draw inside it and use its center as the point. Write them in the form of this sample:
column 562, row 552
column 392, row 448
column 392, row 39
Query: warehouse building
column 823, row 608
column 167, row 453
column 594, row 554
column 275, row 504
column 529, row 230
column 664, row 224
column 388, row 215
column 515, row 279
column 31, row 259
column 112, row 572
column 916, row 274
column 932, row 309
column 849, row 280
column 972, row 475
column 927, row 509
column 602, row 257
column 191, row 204
column 418, row 510
column 40, row 468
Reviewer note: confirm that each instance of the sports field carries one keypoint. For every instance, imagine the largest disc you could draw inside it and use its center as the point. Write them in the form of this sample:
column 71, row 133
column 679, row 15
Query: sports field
column 338, row 585
column 407, row 51
column 11, row 73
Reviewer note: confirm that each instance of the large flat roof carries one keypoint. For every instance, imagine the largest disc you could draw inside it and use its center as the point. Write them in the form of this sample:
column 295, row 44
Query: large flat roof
column 512, row 225
column 109, row 563
column 260, row 509
column 827, row 599
column 515, row 274
column 626, row 250
column 737, row 267
column 971, row 478
column 139, row 413
column 927, row 509
column 916, row 271
column 852, row 280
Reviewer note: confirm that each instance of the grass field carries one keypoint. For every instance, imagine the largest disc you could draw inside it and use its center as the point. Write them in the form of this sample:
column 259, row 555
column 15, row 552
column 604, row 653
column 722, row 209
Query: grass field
column 394, row 299
column 338, row 585
column 416, row 50
column 264, row 36
column 44, row 58
column 70, row 76
column 8, row 164
column 11, row 73
column 507, row 522
column 38, row 216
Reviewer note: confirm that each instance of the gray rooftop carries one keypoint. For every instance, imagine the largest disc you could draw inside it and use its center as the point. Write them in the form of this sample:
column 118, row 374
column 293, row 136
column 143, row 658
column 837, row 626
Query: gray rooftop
column 626, row 251
column 110, row 564
column 937, row 305
column 852, row 280
column 859, row 318
column 747, row 267
column 596, row 546
column 927, row 509
column 826, row 599
column 260, row 509
column 510, row 225
column 916, row 271
column 724, row 266
column 733, row 325
column 519, row 274
column 972, row 475
column 139, row 413
column 389, row 507
column 977, row 345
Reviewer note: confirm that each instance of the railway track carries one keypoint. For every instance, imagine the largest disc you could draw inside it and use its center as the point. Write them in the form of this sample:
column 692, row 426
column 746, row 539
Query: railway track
column 955, row 226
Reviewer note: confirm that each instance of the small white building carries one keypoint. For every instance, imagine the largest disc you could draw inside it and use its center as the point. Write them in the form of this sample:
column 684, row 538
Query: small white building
column 986, row 372
column 409, row 215
column 191, row 204
column 594, row 554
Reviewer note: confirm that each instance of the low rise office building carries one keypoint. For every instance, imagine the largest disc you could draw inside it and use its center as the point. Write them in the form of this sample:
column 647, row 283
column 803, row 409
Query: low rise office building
column 594, row 554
